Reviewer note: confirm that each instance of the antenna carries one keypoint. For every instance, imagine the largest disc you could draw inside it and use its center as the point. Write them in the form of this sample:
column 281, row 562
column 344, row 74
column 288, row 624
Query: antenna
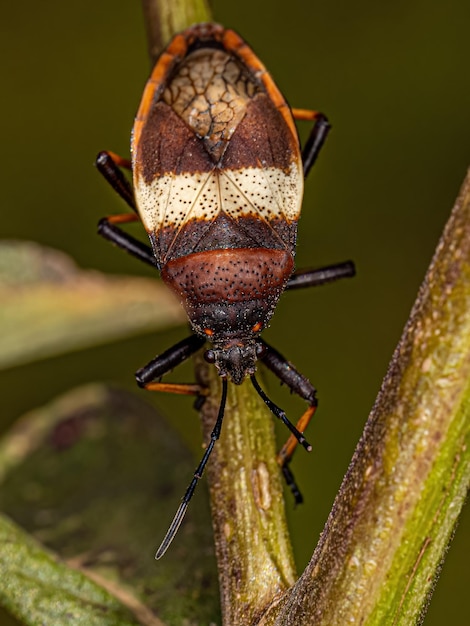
column 180, row 513
column 280, row 414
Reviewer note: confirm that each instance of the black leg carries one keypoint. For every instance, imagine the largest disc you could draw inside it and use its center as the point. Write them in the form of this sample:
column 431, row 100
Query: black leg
column 108, row 167
column 287, row 373
column 123, row 240
column 315, row 142
column 300, row 385
column 291, row 483
column 169, row 359
column 321, row 276
column 280, row 414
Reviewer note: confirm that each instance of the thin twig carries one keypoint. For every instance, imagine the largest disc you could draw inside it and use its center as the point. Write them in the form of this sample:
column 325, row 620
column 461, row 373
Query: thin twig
column 165, row 18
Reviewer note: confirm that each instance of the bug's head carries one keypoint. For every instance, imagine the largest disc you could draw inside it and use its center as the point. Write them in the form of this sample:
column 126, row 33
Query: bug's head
column 235, row 360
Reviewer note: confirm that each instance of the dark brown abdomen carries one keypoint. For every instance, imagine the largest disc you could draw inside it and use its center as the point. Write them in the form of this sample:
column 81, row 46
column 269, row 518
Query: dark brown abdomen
column 229, row 293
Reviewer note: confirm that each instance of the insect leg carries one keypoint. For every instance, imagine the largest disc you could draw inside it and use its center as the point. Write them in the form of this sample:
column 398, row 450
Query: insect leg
column 109, row 164
column 321, row 275
column 317, row 136
column 117, row 236
column 185, row 389
column 165, row 362
column 300, row 385
column 145, row 376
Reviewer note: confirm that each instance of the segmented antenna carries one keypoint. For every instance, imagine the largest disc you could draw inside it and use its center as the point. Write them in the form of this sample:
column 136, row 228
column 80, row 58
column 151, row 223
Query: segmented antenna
column 180, row 513
column 279, row 413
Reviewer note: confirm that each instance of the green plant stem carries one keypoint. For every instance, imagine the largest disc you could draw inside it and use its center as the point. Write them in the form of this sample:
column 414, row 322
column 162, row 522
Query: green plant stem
column 253, row 549
column 163, row 19
column 381, row 551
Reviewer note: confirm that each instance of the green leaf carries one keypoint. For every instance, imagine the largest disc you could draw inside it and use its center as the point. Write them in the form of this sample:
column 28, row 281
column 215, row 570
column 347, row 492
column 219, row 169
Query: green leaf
column 39, row 589
column 96, row 476
column 50, row 306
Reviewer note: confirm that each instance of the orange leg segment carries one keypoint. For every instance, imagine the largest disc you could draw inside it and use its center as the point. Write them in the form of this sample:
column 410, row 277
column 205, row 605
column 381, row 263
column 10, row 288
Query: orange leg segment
column 286, row 452
column 317, row 137
column 123, row 218
column 109, row 165
column 119, row 160
column 186, row 389
column 305, row 115
column 300, row 385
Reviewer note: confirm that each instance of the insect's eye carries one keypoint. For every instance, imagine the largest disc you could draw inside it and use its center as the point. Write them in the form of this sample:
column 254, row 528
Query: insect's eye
column 260, row 350
column 209, row 356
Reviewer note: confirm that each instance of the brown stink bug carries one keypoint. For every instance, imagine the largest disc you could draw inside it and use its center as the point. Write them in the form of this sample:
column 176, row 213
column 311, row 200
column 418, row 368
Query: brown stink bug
column 218, row 183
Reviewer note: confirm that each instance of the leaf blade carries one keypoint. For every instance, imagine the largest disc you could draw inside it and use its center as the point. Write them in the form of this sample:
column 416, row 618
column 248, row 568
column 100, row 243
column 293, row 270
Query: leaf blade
column 50, row 306
column 38, row 589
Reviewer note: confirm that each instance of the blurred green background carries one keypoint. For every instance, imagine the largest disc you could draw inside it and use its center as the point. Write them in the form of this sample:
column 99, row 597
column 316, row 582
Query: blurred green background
column 393, row 79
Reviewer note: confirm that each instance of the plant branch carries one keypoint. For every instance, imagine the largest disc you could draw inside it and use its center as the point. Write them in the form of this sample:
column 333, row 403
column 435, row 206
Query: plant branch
column 381, row 551
column 253, row 549
column 165, row 18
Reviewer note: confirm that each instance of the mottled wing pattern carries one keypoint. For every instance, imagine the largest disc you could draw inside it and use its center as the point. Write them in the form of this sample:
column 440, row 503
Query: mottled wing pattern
column 216, row 166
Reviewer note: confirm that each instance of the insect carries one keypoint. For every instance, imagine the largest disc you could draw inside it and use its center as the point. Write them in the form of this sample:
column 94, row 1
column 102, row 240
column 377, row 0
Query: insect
column 218, row 176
